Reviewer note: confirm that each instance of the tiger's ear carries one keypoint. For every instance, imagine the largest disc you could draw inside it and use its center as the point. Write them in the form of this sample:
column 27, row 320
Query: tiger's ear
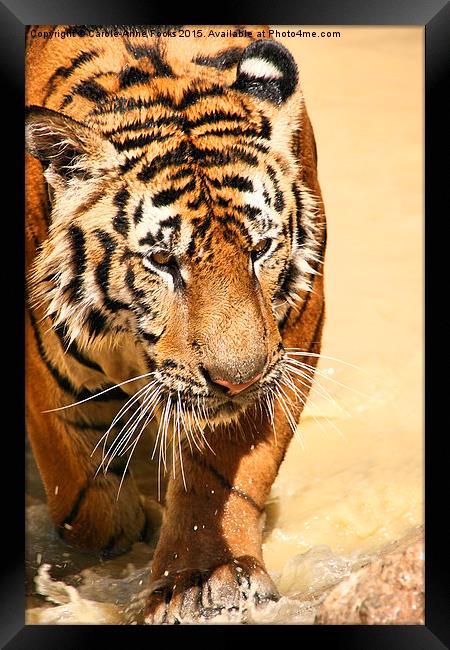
column 65, row 147
column 268, row 71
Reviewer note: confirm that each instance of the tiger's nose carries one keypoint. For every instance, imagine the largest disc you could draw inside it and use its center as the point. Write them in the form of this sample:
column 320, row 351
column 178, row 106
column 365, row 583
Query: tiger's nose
column 234, row 389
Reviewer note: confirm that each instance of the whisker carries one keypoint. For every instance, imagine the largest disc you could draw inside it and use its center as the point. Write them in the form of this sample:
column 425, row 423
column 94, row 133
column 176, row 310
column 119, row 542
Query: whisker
column 132, row 400
column 293, row 424
column 305, row 353
column 315, row 386
column 166, row 431
column 287, row 413
column 162, row 456
column 147, row 411
column 175, row 411
column 117, row 417
column 303, row 399
column 130, row 426
column 102, row 392
column 335, row 381
column 196, row 421
column 155, row 447
column 126, row 466
column 181, row 459
column 271, row 406
column 190, row 433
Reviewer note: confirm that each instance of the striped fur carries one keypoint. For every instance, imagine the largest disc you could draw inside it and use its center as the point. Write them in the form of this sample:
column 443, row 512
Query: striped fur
column 175, row 226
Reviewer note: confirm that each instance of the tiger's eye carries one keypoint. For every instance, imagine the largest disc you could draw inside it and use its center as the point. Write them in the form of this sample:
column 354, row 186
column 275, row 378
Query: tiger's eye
column 162, row 258
column 260, row 248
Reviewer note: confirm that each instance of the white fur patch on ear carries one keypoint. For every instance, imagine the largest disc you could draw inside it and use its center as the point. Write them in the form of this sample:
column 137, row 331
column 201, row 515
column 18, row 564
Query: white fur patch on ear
column 260, row 69
column 267, row 70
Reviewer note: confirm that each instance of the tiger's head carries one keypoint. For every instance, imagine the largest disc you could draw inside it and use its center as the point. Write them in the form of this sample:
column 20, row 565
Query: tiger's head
column 180, row 221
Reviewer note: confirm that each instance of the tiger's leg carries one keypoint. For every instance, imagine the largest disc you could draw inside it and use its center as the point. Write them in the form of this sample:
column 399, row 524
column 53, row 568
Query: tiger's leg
column 209, row 556
column 87, row 509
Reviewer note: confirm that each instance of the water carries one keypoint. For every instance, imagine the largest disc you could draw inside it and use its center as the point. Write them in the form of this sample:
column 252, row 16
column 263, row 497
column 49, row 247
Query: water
column 353, row 485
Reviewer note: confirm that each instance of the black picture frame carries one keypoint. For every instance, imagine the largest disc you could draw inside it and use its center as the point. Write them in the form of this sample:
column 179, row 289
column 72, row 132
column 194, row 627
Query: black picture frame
column 434, row 15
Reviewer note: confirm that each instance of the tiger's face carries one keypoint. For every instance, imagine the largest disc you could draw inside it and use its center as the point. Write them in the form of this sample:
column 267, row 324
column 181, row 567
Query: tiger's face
column 179, row 223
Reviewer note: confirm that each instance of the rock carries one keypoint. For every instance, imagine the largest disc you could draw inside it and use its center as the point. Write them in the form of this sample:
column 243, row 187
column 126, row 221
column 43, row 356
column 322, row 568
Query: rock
column 389, row 590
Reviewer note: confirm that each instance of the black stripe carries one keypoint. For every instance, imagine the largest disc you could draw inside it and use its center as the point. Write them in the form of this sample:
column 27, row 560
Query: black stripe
column 150, row 123
column 227, row 485
column 300, row 235
column 181, row 173
column 126, row 104
column 139, row 141
column 266, row 128
column 131, row 162
column 230, row 220
column 119, row 467
column 80, row 424
column 67, row 99
column 129, row 279
column 279, row 200
column 75, row 508
column 166, row 197
column 102, row 271
column 90, row 89
column 161, row 67
column 173, row 222
column 78, row 246
column 212, row 118
column 65, row 72
column 178, row 156
column 148, row 240
column 46, row 208
column 132, row 76
column 250, row 211
column 96, row 322
column 245, row 132
column 201, row 226
column 144, row 534
column 74, row 351
column 236, row 182
column 63, row 382
column 150, row 338
column 137, row 215
column 223, row 60
column 282, row 323
column 120, row 221
column 220, row 158
column 197, row 202
column 193, row 95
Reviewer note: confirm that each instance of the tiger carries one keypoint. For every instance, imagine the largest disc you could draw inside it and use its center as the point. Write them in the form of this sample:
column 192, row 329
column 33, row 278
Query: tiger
column 175, row 243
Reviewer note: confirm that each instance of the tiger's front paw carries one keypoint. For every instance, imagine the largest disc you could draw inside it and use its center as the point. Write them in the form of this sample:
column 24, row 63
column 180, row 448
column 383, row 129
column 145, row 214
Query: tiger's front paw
column 199, row 596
